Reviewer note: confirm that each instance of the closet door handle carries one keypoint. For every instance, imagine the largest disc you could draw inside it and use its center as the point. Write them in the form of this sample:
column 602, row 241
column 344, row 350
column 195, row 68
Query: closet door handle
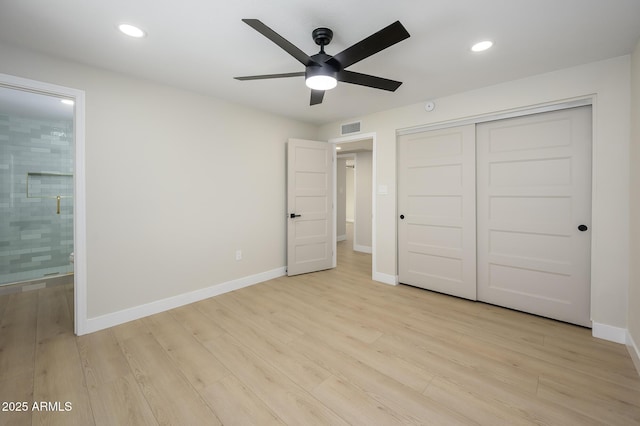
column 401, row 216
column 293, row 215
column 582, row 228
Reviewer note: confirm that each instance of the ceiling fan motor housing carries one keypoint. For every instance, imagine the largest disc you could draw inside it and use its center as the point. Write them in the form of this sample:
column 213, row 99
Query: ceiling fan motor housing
column 321, row 67
column 322, row 36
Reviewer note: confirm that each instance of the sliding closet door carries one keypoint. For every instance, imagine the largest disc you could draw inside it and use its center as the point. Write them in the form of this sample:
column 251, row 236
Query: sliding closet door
column 534, row 214
column 436, row 211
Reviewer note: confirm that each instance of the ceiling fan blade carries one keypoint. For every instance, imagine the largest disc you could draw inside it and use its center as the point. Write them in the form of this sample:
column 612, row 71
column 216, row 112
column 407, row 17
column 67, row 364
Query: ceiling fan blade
column 265, row 76
column 316, row 97
column 368, row 80
column 286, row 45
column 371, row 45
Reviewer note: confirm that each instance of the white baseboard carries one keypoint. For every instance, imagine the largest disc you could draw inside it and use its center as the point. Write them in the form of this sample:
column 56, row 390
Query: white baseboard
column 137, row 312
column 363, row 249
column 385, row 278
column 610, row 333
column 634, row 351
column 341, row 237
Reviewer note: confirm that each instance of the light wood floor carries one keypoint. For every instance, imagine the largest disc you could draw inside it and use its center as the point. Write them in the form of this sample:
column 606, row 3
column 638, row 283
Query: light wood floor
column 325, row 348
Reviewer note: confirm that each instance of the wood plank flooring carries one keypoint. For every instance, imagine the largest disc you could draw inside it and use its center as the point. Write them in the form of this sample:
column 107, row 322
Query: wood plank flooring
column 326, row 348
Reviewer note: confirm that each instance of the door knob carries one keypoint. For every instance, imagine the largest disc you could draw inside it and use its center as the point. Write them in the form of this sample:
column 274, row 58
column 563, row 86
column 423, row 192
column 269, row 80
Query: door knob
column 401, row 216
column 293, row 215
column 582, row 228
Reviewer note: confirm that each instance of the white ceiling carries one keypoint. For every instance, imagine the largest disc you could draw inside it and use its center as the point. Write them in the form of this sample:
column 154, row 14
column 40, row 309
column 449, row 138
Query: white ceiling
column 201, row 45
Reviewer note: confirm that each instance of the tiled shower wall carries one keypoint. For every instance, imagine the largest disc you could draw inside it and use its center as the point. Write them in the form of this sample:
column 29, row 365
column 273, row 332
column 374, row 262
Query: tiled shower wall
column 35, row 155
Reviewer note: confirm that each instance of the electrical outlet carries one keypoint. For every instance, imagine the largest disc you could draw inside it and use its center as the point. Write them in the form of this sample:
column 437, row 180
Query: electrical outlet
column 238, row 254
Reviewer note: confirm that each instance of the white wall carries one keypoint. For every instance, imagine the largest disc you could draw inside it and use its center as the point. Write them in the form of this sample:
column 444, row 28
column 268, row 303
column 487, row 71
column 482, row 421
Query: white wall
column 176, row 182
column 609, row 82
column 350, row 179
column 634, row 282
column 362, row 230
column 341, row 199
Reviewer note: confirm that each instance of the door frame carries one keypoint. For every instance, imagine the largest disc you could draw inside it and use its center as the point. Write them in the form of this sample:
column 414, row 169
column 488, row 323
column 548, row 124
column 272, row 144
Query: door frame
column 374, row 179
column 79, row 182
column 517, row 112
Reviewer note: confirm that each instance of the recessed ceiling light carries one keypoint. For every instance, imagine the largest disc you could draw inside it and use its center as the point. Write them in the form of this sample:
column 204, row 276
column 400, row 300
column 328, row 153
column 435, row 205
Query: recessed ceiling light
column 483, row 45
column 131, row 30
column 67, row 101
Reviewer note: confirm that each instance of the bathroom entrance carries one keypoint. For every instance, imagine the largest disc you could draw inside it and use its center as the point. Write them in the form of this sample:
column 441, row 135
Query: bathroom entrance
column 36, row 190
column 42, row 192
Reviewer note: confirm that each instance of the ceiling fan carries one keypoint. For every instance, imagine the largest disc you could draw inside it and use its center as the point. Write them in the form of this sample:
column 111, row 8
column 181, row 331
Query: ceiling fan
column 323, row 71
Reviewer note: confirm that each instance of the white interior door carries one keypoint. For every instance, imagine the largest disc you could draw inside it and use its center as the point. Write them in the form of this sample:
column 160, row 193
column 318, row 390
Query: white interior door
column 534, row 191
column 310, row 232
column 436, row 202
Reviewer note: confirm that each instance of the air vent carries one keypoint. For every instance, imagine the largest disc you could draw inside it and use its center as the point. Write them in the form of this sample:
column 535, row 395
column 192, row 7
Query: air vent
column 349, row 128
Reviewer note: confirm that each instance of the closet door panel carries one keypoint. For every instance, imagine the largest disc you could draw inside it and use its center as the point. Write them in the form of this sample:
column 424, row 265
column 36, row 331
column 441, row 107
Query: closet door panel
column 436, row 211
column 534, row 191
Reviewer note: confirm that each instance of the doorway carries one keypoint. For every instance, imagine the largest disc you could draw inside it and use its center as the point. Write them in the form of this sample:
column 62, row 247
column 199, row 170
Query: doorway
column 354, row 194
column 42, row 231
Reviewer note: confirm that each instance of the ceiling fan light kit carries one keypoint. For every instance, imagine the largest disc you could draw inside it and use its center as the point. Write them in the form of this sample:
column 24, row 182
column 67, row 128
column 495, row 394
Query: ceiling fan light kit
column 323, row 76
column 323, row 71
column 320, row 81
